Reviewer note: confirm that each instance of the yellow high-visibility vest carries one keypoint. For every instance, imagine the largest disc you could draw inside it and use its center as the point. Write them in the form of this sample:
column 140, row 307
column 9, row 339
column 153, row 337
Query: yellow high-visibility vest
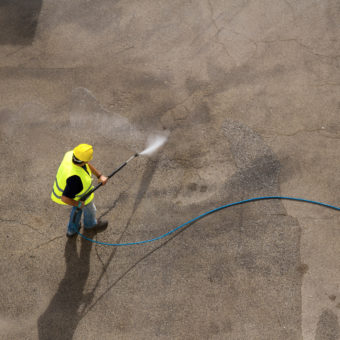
column 67, row 169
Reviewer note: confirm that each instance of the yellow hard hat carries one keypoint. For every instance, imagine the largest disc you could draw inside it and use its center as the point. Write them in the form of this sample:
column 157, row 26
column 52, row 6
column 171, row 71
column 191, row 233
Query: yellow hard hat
column 83, row 152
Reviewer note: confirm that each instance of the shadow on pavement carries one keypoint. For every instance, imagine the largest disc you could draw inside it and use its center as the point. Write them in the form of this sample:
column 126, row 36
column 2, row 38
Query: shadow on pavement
column 63, row 314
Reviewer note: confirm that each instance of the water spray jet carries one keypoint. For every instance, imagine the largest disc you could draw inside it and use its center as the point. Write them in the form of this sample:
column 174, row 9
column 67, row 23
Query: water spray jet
column 153, row 144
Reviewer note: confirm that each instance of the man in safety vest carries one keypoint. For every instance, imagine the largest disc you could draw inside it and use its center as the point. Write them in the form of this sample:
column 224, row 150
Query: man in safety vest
column 74, row 180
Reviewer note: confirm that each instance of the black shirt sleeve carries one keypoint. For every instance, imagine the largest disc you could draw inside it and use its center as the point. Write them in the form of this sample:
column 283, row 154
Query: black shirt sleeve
column 73, row 186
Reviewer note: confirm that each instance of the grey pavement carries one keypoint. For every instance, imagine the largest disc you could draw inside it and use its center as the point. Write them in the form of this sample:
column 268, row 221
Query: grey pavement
column 248, row 93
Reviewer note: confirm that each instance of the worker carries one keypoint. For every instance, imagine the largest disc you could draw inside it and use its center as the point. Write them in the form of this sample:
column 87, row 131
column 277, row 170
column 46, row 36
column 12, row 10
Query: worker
column 74, row 180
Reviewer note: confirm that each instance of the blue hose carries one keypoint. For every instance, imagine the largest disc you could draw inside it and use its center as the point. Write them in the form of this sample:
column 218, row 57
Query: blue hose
column 208, row 213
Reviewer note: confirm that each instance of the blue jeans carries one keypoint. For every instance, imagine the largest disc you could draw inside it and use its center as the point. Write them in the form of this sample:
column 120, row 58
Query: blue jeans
column 89, row 218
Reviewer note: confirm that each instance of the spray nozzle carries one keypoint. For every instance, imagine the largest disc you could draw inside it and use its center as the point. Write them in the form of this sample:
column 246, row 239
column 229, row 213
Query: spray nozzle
column 154, row 142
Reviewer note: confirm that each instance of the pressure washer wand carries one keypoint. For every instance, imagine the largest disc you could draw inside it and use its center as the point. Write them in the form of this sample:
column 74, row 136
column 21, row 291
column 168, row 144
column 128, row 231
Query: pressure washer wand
column 84, row 197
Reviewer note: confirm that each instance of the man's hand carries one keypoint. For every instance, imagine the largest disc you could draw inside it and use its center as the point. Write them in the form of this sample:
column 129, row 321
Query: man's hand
column 81, row 205
column 103, row 179
column 72, row 202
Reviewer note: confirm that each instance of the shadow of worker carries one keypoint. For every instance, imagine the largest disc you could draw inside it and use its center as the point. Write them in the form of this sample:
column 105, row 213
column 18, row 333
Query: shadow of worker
column 62, row 316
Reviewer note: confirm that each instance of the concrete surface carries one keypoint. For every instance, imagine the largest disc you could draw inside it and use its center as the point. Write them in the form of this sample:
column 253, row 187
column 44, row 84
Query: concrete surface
column 249, row 93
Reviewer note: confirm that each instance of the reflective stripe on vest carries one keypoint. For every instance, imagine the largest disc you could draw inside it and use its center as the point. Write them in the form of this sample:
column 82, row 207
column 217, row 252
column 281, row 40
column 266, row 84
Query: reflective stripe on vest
column 67, row 169
column 88, row 189
column 78, row 195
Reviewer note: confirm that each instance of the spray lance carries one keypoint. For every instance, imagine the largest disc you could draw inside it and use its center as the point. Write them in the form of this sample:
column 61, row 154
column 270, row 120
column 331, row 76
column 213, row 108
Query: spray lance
column 84, row 197
column 153, row 144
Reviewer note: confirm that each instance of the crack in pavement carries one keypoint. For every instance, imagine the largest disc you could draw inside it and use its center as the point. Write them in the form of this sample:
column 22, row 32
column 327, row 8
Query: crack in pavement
column 104, row 266
column 250, row 40
column 299, row 43
column 102, row 263
column 22, row 224
column 131, row 268
column 41, row 245
column 13, row 52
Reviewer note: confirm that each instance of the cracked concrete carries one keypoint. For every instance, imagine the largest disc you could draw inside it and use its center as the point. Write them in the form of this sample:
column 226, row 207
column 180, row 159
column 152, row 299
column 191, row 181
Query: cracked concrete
column 249, row 91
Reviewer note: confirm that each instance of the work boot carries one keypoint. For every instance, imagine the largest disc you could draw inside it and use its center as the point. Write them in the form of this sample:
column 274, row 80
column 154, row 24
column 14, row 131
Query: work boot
column 100, row 226
column 71, row 235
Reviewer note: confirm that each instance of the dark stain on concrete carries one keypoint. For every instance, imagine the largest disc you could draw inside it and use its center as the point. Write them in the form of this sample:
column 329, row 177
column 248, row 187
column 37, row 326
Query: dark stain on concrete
column 302, row 268
column 203, row 188
column 192, row 186
column 192, row 85
column 332, row 297
column 200, row 114
column 328, row 326
column 18, row 21
column 195, row 187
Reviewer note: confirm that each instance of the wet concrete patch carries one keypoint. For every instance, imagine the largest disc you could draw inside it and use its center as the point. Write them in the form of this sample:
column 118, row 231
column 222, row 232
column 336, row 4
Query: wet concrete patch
column 266, row 241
